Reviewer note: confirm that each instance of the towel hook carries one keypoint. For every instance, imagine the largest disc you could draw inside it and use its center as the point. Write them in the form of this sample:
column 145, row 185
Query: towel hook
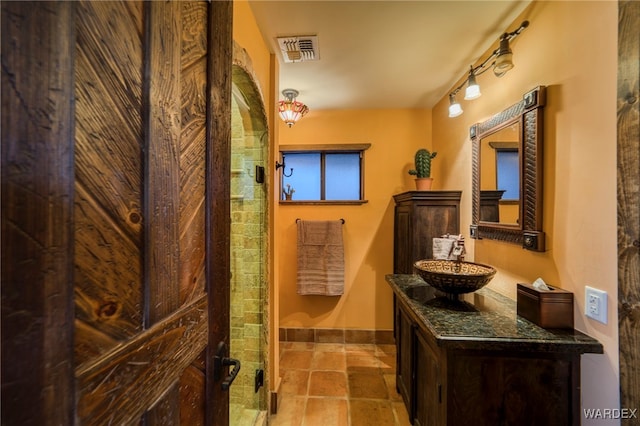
column 283, row 165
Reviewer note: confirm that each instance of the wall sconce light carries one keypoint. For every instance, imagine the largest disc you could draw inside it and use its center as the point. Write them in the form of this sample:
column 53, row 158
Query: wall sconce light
column 289, row 109
column 501, row 61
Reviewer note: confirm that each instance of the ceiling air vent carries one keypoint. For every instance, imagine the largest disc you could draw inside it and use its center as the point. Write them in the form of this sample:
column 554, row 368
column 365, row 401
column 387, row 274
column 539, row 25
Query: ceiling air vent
column 299, row 48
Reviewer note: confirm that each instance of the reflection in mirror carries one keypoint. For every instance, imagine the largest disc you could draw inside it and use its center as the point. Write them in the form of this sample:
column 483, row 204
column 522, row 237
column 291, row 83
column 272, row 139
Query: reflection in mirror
column 500, row 175
column 507, row 174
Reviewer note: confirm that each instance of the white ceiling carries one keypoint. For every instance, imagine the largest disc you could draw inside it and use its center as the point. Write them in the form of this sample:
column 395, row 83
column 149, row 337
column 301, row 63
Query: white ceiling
column 384, row 53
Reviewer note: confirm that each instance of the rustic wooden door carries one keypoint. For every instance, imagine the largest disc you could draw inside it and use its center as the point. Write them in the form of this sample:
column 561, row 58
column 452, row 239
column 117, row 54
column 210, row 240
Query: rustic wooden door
column 134, row 101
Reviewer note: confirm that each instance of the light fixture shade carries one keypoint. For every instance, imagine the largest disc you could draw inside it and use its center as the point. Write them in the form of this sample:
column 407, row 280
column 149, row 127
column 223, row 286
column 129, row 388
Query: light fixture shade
column 289, row 109
column 454, row 107
column 504, row 58
column 473, row 89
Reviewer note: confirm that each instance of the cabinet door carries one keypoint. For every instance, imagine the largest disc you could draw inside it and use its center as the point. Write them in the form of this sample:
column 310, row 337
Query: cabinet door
column 404, row 371
column 428, row 390
column 402, row 241
column 513, row 389
column 432, row 221
column 419, row 217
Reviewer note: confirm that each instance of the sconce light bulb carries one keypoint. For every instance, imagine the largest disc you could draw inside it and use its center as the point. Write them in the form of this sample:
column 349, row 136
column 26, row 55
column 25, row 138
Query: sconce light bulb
column 473, row 89
column 454, row 107
column 504, row 58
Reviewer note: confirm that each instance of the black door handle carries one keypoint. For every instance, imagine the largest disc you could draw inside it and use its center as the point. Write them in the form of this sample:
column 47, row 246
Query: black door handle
column 234, row 373
column 221, row 361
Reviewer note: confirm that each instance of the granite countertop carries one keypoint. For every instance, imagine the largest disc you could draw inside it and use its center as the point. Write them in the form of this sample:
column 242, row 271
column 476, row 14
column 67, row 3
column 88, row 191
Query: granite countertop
column 483, row 320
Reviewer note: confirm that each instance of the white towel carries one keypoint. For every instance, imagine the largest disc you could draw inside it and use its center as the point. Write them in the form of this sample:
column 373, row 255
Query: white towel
column 320, row 258
column 444, row 247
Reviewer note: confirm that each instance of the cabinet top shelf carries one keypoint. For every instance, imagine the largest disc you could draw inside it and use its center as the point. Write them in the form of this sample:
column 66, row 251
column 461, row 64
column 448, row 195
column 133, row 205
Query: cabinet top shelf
column 427, row 195
column 483, row 320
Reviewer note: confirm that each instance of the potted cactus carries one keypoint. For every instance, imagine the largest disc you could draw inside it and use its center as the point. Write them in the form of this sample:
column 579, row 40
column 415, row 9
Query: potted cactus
column 422, row 172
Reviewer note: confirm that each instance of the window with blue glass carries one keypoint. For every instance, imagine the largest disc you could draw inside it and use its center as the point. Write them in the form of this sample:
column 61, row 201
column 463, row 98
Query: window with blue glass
column 323, row 175
column 508, row 173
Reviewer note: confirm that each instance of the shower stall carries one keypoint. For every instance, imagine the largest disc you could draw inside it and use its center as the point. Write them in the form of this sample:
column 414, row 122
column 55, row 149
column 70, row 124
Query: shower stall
column 248, row 240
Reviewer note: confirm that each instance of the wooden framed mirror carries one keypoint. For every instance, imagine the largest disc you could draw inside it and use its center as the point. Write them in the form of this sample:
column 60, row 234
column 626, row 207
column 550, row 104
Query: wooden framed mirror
column 507, row 174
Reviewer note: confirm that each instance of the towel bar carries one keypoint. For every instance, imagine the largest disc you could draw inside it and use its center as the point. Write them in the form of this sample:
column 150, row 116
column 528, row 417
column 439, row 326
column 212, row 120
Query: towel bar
column 341, row 220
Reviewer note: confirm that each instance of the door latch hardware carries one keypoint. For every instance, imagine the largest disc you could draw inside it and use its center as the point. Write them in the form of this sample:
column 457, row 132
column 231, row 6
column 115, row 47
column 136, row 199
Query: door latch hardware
column 259, row 379
column 221, row 361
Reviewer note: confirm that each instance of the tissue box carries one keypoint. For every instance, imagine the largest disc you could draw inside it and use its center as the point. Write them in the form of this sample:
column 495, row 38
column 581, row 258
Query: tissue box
column 546, row 308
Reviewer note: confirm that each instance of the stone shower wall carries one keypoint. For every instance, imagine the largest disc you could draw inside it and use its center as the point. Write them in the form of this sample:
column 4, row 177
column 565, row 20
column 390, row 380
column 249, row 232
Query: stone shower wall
column 248, row 262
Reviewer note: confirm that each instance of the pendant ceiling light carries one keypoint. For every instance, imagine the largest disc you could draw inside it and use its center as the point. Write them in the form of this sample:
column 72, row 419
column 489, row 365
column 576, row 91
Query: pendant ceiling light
column 290, row 109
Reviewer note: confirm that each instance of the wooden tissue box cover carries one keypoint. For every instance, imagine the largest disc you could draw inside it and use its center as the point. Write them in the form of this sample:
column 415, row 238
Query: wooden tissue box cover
column 548, row 309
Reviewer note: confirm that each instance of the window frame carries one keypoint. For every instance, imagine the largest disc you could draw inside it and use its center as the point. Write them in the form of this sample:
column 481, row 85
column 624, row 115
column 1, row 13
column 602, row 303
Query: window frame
column 324, row 149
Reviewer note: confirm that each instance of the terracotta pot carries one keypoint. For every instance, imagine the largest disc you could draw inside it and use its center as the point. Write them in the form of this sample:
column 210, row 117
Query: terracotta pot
column 424, row 184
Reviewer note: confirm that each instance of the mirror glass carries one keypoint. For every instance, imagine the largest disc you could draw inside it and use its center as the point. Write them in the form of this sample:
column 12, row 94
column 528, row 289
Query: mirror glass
column 507, row 174
column 500, row 175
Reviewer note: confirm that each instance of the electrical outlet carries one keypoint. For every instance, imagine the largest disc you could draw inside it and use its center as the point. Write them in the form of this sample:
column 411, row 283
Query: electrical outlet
column 595, row 304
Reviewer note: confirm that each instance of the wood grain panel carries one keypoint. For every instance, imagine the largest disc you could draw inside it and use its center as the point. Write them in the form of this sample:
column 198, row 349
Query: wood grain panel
column 192, row 180
column 152, row 361
column 90, row 342
column 37, row 213
column 166, row 411
column 421, row 216
column 531, row 176
column 194, row 32
column 162, row 168
column 108, row 273
column 162, row 123
column 538, row 396
column 192, row 396
column 629, row 201
column 218, row 219
column 193, row 138
column 108, row 165
column 108, row 94
column 192, row 260
column 100, row 179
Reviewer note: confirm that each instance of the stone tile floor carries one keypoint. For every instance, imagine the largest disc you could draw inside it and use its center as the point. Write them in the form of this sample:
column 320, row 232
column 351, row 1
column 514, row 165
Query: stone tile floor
column 333, row 384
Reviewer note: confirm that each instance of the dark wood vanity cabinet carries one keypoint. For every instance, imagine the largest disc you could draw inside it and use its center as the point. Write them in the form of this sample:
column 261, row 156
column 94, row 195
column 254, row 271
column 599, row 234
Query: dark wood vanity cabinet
column 417, row 371
column 405, row 331
column 475, row 362
column 427, row 383
column 419, row 217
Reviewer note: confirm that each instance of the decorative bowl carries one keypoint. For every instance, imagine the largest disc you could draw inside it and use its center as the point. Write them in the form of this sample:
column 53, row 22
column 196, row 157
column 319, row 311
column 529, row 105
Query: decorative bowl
column 452, row 277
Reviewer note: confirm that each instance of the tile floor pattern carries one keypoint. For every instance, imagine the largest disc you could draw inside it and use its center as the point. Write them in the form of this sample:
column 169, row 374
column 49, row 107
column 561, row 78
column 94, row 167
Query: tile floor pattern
column 332, row 384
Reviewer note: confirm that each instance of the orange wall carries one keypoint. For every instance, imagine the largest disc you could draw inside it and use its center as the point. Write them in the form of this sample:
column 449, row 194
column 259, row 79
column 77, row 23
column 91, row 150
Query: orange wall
column 394, row 136
column 247, row 35
column 570, row 47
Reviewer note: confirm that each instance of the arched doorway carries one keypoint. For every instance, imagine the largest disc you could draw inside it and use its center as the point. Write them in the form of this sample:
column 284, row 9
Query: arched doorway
column 249, row 250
